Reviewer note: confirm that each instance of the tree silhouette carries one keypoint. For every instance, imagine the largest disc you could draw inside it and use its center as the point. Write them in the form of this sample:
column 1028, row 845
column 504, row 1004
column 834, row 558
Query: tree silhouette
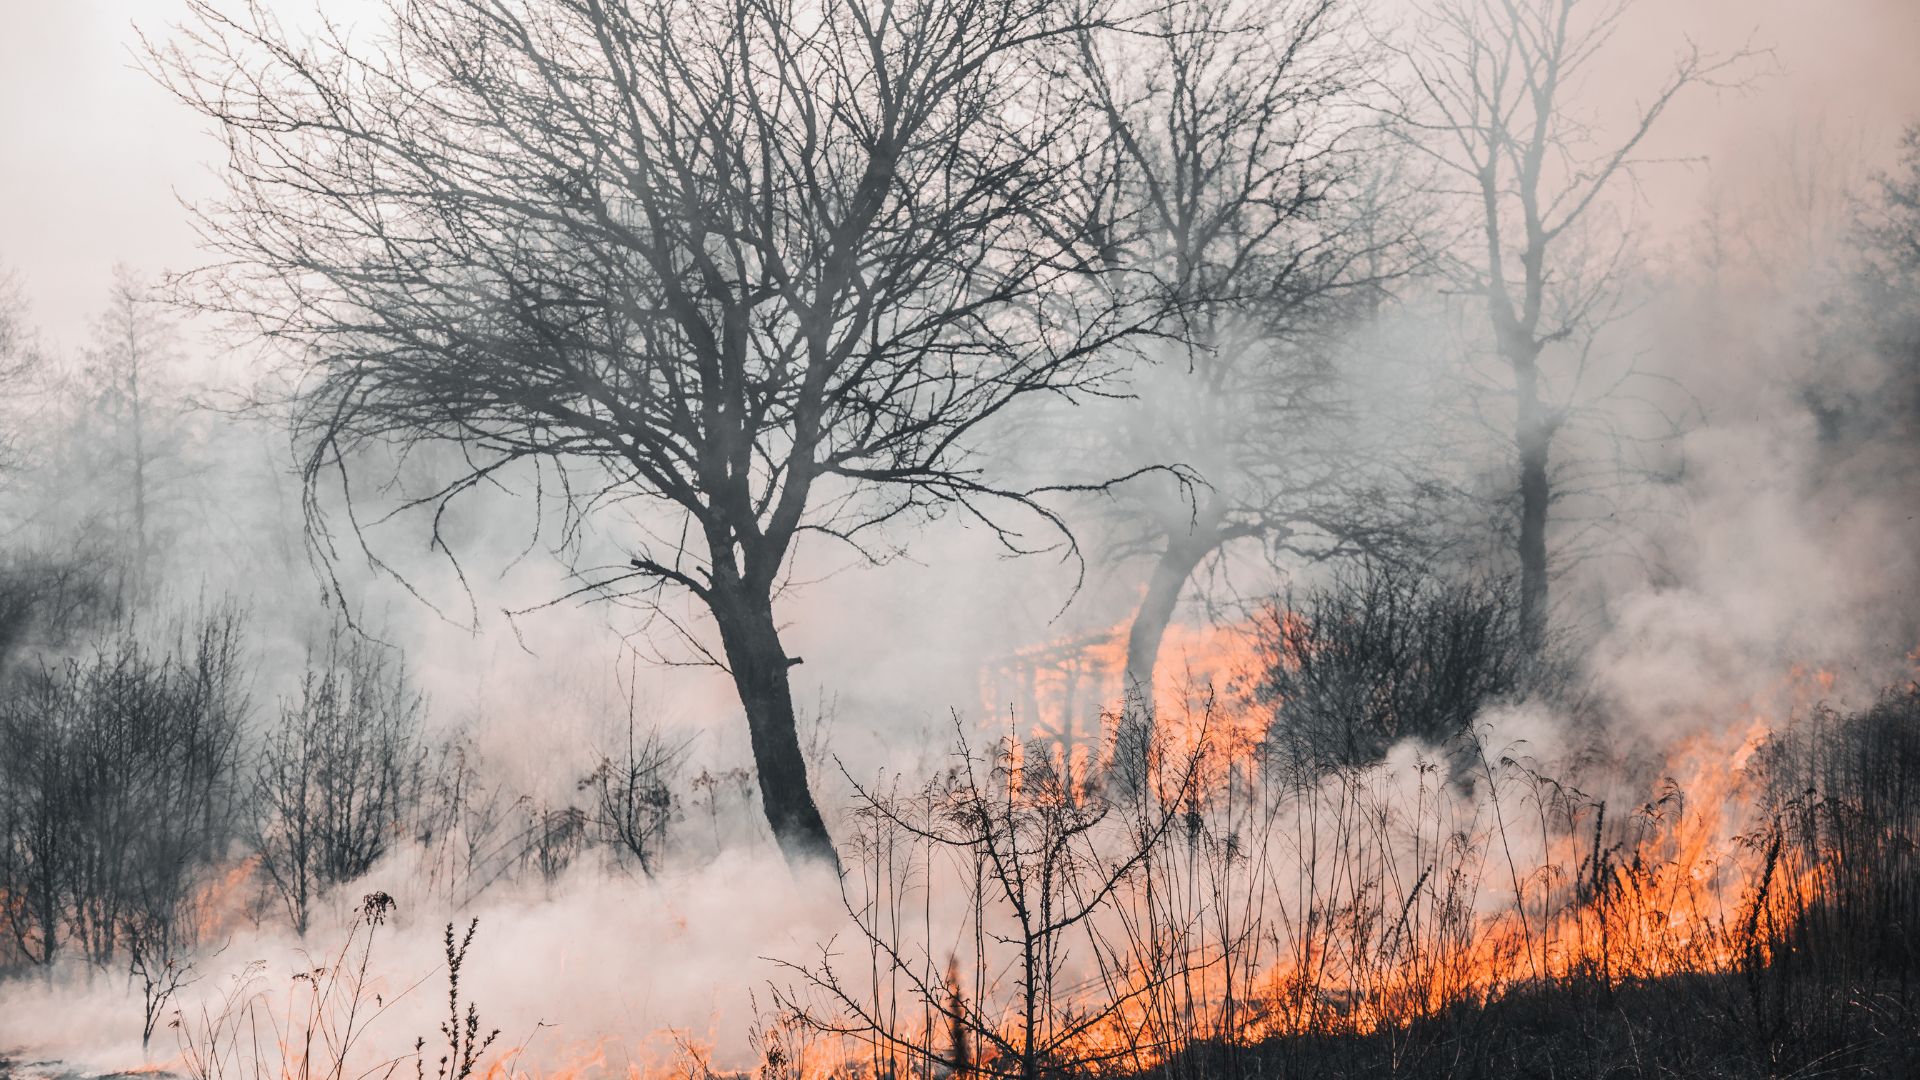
column 767, row 267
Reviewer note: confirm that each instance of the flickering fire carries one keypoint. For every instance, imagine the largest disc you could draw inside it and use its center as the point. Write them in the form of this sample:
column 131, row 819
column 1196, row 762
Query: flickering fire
column 1683, row 882
column 1363, row 901
column 1071, row 696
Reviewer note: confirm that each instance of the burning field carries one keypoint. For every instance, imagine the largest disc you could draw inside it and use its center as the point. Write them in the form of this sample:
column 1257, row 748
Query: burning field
column 959, row 540
column 1219, row 896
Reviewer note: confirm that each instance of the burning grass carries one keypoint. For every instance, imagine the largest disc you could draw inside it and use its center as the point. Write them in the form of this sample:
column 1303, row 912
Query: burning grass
column 1419, row 917
column 1237, row 902
column 1456, row 912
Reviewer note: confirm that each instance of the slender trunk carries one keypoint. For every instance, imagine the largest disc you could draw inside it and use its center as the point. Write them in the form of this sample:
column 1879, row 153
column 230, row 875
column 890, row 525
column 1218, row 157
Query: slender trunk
column 1183, row 555
column 1532, row 439
column 759, row 663
column 47, row 902
column 1177, row 563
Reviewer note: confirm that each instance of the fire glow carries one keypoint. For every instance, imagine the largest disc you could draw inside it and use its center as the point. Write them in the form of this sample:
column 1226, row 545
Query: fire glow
column 1240, row 896
column 1346, row 902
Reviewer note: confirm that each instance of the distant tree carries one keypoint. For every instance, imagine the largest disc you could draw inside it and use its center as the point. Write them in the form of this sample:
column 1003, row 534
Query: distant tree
column 1491, row 101
column 54, row 598
column 1881, row 309
column 129, row 429
column 54, row 588
column 1234, row 180
column 20, row 359
column 15, row 336
column 766, row 267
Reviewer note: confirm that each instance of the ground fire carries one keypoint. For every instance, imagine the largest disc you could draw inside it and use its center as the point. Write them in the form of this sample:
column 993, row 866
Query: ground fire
column 959, row 540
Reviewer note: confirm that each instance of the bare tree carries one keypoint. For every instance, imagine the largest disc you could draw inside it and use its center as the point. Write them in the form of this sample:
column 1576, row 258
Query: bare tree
column 20, row 354
column 632, row 795
column 118, row 791
column 125, row 386
column 15, row 336
column 53, row 598
column 1880, row 311
column 1492, row 102
column 37, row 817
column 1230, row 179
column 766, row 268
column 66, row 573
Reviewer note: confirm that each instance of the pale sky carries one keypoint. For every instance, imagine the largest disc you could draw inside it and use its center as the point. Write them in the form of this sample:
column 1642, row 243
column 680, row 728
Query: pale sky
column 92, row 152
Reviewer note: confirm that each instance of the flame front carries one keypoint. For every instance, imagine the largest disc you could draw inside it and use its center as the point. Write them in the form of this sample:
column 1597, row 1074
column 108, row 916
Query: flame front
column 1371, row 897
column 1028, row 912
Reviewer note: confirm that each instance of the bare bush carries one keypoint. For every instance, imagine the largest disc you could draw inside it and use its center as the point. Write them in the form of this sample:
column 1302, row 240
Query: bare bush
column 1038, row 858
column 118, row 792
column 633, row 797
column 340, row 776
column 554, row 837
column 1384, row 653
column 463, row 825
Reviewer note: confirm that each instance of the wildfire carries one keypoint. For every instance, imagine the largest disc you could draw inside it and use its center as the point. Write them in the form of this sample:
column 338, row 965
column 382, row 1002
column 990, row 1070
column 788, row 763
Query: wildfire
column 1684, row 882
column 1358, row 900
column 220, row 903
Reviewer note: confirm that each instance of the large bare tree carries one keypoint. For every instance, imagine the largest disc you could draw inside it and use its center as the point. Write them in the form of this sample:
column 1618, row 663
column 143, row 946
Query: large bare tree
column 1494, row 97
column 769, row 266
column 1235, row 166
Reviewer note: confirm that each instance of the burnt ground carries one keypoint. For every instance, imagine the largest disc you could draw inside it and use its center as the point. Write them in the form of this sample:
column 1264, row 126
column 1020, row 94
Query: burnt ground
column 1719, row 1026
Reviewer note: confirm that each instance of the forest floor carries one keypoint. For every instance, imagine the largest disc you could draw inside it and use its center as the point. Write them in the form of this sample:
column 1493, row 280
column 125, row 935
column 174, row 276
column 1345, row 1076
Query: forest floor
column 1705, row 1027
column 1714, row 1027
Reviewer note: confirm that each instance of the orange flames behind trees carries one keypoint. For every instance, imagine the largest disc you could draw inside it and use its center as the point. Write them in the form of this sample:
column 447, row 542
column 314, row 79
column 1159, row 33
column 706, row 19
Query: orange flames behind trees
column 1069, row 693
column 1243, row 896
column 1493, row 876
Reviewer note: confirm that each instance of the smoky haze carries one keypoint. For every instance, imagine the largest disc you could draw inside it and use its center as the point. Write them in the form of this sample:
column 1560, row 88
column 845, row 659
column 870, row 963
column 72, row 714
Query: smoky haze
column 1731, row 543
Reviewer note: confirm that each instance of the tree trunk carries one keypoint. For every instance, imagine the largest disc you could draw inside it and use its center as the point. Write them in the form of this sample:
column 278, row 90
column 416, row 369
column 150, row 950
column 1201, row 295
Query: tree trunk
column 759, row 664
column 1532, row 439
column 1177, row 563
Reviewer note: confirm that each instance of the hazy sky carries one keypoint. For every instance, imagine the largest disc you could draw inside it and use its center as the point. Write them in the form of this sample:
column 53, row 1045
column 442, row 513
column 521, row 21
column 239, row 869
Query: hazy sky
column 92, row 152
